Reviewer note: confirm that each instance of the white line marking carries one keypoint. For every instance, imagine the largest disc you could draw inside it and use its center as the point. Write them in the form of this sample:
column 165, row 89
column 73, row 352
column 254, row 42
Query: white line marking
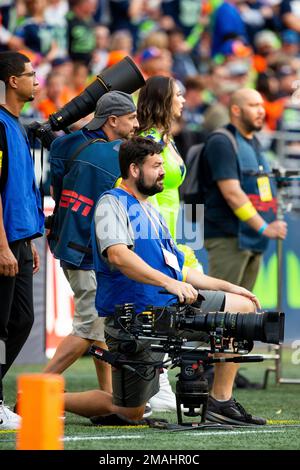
column 231, row 433
column 195, row 434
column 101, row 438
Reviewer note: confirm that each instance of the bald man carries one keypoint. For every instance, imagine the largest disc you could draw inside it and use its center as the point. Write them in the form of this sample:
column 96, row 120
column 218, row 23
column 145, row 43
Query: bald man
column 240, row 205
column 240, row 200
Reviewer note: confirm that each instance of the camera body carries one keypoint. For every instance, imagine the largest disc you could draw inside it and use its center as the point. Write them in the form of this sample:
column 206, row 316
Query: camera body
column 168, row 328
column 226, row 332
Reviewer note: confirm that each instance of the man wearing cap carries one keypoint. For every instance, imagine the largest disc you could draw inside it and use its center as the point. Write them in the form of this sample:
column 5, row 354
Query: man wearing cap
column 83, row 165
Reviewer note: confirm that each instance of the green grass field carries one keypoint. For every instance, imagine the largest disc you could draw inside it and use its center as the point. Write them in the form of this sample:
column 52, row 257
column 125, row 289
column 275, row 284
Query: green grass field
column 279, row 404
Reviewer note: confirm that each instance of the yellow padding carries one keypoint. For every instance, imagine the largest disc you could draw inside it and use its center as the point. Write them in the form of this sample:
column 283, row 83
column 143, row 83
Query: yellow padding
column 245, row 212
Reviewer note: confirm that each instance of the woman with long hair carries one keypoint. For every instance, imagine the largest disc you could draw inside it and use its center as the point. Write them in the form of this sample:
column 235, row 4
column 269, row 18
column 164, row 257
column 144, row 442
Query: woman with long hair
column 160, row 103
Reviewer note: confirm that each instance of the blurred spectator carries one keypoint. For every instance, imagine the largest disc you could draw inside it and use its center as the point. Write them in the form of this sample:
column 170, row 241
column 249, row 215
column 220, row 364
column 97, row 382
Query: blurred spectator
column 266, row 45
column 100, row 54
column 157, row 39
column 268, row 86
column 217, row 115
column 154, row 61
column 290, row 14
column 183, row 64
column 185, row 13
column 57, row 95
column 55, row 15
column 239, row 72
column 195, row 106
column 290, row 43
column 38, row 35
column 10, row 14
column 81, row 30
column 80, row 78
column 227, row 25
column 121, row 41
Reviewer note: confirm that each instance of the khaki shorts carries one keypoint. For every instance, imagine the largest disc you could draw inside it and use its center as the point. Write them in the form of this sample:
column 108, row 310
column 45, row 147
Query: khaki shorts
column 86, row 323
column 129, row 389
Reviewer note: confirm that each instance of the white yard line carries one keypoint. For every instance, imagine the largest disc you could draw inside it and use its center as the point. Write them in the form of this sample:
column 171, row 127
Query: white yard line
column 187, row 433
column 101, row 438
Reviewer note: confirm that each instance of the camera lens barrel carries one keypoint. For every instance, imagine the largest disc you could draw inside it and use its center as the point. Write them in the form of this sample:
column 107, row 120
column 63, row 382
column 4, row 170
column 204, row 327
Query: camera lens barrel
column 123, row 76
column 267, row 327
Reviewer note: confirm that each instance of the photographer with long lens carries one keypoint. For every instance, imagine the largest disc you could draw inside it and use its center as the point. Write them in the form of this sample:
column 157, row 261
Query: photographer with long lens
column 135, row 257
column 83, row 165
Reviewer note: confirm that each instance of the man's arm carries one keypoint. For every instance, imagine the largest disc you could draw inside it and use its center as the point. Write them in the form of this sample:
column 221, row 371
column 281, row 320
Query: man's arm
column 235, row 197
column 132, row 266
column 204, row 282
column 8, row 263
column 115, row 240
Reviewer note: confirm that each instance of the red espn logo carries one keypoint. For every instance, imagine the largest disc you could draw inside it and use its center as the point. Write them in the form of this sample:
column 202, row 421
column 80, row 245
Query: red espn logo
column 70, row 197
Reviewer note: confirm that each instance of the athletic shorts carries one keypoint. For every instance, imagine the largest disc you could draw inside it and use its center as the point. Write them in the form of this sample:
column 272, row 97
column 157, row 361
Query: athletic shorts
column 129, row 389
column 86, row 323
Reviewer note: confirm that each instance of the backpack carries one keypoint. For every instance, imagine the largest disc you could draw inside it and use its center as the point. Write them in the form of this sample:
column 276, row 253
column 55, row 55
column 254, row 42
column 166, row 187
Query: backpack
column 192, row 189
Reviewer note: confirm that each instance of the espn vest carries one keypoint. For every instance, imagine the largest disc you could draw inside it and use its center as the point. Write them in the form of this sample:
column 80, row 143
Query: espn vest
column 21, row 200
column 77, row 187
column 113, row 287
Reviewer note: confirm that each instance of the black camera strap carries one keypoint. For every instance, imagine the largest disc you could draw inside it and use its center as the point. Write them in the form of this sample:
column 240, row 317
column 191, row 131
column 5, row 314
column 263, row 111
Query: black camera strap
column 79, row 150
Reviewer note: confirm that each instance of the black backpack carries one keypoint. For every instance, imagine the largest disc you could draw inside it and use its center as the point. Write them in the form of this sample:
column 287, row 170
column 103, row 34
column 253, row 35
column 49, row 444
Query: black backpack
column 192, row 188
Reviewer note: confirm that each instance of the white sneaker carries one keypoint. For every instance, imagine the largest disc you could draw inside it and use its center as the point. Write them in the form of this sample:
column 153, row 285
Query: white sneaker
column 8, row 419
column 165, row 399
column 148, row 411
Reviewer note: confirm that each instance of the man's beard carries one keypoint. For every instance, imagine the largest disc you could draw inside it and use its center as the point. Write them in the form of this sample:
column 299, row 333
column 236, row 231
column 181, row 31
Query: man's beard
column 148, row 190
column 250, row 126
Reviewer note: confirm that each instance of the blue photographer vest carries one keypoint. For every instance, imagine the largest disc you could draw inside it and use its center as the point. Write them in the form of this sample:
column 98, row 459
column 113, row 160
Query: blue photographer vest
column 113, row 287
column 21, row 200
column 76, row 190
column 249, row 162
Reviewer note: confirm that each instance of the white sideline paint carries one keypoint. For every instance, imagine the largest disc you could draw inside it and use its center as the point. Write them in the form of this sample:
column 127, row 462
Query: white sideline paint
column 100, row 438
column 195, row 434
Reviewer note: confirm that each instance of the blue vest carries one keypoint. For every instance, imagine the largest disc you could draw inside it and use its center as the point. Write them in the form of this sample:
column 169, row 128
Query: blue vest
column 22, row 210
column 113, row 287
column 250, row 161
column 76, row 189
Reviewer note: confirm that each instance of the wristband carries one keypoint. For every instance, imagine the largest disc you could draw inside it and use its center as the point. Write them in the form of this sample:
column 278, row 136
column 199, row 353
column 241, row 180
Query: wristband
column 245, row 212
column 263, row 228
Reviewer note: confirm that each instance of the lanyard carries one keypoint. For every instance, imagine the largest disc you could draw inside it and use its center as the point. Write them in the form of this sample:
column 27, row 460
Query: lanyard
column 150, row 216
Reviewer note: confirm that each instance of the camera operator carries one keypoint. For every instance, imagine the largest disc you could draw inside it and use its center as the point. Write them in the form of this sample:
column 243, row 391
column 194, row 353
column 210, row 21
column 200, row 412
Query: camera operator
column 135, row 257
column 84, row 164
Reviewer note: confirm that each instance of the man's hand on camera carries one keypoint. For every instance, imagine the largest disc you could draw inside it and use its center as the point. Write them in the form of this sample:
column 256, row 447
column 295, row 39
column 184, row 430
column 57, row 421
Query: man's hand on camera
column 184, row 291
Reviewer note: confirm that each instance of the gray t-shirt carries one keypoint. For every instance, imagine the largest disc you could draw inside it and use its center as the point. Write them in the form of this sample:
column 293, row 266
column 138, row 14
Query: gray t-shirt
column 112, row 224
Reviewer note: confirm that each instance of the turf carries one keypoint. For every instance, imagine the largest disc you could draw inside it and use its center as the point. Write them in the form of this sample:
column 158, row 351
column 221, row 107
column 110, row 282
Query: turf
column 279, row 404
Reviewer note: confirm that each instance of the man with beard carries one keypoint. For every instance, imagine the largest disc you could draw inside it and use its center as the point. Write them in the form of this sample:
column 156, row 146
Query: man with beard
column 240, row 204
column 135, row 258
column 21, row 218
column 84, row 164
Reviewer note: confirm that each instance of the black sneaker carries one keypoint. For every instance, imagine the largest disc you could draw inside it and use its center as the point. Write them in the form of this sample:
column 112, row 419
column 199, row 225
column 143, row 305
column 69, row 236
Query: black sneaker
column 230, row 412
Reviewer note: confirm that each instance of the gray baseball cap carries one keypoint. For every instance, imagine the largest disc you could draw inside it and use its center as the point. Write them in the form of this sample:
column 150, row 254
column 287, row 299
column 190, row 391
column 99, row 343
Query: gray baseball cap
column 113, row 103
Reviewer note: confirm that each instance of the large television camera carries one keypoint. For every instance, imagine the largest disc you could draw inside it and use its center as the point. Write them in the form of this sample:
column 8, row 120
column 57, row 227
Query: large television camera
column 168, row 329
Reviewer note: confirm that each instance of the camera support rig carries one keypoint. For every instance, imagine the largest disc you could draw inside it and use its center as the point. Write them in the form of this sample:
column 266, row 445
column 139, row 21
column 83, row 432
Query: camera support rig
column 165, row 326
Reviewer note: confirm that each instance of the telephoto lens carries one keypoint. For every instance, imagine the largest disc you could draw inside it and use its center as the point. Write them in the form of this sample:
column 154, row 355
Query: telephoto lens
column 267, row 327
column 124, row 76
